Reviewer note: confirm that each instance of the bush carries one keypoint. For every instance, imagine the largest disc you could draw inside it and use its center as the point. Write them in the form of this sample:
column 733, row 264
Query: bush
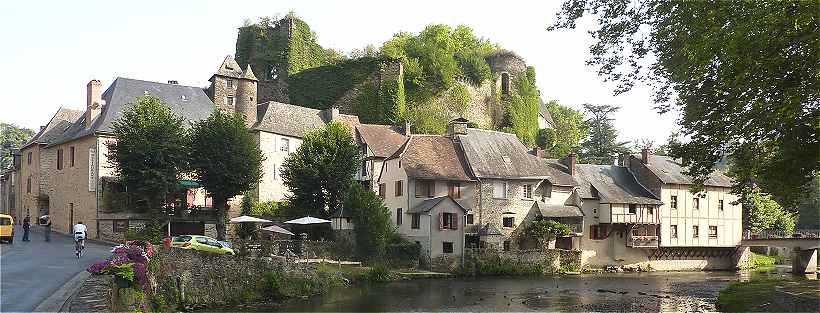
column 380, row 273
column 402, row 252
column 152, row 232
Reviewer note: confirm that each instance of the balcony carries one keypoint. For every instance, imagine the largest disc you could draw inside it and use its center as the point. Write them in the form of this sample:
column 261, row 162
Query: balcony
column 642, row 241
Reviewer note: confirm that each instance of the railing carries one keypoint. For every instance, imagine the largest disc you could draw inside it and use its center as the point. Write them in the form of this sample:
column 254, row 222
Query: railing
column 780, row 234
column 642, row 241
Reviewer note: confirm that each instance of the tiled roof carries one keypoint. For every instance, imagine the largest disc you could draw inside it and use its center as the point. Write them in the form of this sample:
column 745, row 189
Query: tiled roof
column 383, row 140
column 248, row 73
column 670, row 171
column 55, row 128
column 432, row 157
column 295, row 121
column 554, row 210
column 187, row 102
column 493, row 154
column 615, row 184
column 427, row 205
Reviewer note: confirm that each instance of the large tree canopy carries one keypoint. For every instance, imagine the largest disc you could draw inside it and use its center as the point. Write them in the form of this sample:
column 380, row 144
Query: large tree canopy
column 570, row 128
column 743, row 73
column 11, row 137
column 602, row 145
column 225, row 159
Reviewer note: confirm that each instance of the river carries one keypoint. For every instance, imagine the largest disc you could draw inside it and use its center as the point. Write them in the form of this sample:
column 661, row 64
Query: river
column 655, row 291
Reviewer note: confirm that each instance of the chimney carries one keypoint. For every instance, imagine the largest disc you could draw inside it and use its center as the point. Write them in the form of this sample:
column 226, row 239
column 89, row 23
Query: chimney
column 569, row 162
column 645, row 155
column 173, row 82
column 457, row 127
column 407, row 128
column 93, row 103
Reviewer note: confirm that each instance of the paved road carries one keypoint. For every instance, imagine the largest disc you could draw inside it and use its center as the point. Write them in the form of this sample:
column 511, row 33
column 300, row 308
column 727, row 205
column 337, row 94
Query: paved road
column 31, row 271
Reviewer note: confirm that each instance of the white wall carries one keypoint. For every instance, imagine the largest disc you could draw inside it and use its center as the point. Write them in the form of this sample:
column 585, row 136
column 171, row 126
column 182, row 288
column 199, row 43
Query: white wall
column 271, row 186
column 728, row 221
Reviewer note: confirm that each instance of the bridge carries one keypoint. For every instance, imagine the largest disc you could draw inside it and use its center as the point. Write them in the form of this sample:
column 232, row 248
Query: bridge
column 804, row 244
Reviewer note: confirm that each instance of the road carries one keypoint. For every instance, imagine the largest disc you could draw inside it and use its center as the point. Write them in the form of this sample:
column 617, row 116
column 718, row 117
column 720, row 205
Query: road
column 31, row 271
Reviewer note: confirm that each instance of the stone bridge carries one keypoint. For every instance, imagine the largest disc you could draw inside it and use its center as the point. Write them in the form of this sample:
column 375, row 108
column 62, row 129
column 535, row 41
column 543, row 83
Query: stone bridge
column 804, row 244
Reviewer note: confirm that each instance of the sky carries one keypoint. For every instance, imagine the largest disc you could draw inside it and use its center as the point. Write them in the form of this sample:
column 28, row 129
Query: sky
column 51, row 49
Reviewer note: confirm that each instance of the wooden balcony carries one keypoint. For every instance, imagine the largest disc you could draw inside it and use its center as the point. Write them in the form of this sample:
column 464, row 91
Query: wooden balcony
column 642, row 241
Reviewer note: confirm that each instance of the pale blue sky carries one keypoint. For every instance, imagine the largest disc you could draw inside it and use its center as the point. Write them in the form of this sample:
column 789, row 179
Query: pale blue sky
column 51, row 49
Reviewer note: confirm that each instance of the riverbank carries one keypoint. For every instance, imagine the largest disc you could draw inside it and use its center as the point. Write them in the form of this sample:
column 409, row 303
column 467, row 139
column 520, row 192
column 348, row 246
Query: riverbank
column 771, row 295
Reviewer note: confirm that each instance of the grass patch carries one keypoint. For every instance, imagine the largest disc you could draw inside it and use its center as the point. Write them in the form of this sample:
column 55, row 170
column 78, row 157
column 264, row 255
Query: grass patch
column 762, row 295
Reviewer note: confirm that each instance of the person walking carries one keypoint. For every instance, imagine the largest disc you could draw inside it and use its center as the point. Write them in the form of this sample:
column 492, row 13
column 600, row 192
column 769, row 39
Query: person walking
column 26, row 227
column 48, row 229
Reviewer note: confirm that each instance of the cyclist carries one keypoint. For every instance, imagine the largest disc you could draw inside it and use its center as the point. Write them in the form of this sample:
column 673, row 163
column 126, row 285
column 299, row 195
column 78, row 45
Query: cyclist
column 80, row 232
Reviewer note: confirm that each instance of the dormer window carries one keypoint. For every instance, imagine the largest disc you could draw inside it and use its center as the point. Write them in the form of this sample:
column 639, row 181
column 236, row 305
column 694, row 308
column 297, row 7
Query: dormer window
column 229, row 83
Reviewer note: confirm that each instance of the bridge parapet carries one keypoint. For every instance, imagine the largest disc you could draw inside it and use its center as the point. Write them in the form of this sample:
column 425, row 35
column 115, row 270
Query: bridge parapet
column 779, row 234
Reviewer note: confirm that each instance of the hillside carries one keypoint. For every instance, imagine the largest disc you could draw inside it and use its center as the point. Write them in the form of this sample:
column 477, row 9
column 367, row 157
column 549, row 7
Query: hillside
column 425, row 79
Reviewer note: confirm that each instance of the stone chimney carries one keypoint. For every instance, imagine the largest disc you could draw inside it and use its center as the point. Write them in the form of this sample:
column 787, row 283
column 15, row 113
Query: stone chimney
column 569, row 161
column 645, row 155
column 457, row 127
column 537, row 151
column 93, row 102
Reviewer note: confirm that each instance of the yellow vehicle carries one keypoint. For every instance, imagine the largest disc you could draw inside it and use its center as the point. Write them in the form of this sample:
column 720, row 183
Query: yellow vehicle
column 6, row 228
column 201, row 243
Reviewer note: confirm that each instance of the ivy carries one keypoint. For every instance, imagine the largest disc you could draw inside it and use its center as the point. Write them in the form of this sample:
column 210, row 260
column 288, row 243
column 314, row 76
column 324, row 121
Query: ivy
column 321, row 86
column 521, row 108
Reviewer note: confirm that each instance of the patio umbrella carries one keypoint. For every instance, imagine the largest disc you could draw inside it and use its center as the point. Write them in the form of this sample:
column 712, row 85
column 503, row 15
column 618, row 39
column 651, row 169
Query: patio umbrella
column 277, row 229
column 307, row 220
column 249, row 219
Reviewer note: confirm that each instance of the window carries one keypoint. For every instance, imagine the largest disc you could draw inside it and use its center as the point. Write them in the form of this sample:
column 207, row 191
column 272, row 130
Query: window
column 398, row 216
column 398, row 188
column 447, row 247
column 71, row 156
column 674, row 203
column 59, row 159
column 509, row 221
column 284, row 145
column 364, row 168
column 598, row 232
column 448, row 221
column 425, row 188
column 720, row 205
column 633, row 208
column 28, row 184
column 527, row 191
column 651, row 210
column 500, row 190
column 229, row 100
column 120, row 226
column 673, row 231
column 29, row 158
column 229, row 83
column 713, row 232
column 454, row 190
column 470, row 219
column 415, row 221
column 505, row 83
column 506, row 245
column 695, row 203
column 695, row 231
column 382, row 190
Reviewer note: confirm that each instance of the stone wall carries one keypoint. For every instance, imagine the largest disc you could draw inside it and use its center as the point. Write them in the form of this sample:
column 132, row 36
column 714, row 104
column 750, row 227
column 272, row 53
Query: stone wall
column 97, row 294
column 348, row 103
column 492, row 209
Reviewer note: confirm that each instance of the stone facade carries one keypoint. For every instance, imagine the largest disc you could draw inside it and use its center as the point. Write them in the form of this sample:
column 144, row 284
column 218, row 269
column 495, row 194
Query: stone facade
column 72, row 193
column 273, row 148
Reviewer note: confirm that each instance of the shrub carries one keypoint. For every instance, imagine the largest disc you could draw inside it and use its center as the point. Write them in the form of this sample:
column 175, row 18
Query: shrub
column 380, row 273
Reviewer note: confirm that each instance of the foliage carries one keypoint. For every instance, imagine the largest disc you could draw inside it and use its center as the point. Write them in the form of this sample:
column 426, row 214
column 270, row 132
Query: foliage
column 11, row 137
column 224, row 159
column 457, row 98
column 543, row 230
column 762, row 260
column 379, row 274
column 285, row 284
column 149, row 153
column 402, row 252
column 383, row 104
column 521, row 108
column 493, row 265
column 809, row 206
column 128, row 261
column 321, row 86
column 153, row 231
column 321, row 170
column 427, row 118
column 570, row 128
column 474, row 66
column 602, row 144
column 545, row 138
column 246, row 230
column 371, row 219
column 743, row 73
column 762, row 213
column 757, row 296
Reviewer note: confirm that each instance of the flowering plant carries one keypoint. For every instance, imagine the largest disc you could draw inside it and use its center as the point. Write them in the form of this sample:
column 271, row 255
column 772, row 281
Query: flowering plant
column 128, row 261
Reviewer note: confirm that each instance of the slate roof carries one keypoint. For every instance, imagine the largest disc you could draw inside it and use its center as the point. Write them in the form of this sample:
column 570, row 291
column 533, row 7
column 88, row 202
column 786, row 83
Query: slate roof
column 489, row 230
column 670, row 171
column 555, row 210
column 615, row 184
column 427, row 205
column 432, row 157
column 559, row 173
column 383, row 140
column 190, row 103
column 229, row 68
column 293, row 120
column 493, row 154
column 55, row 128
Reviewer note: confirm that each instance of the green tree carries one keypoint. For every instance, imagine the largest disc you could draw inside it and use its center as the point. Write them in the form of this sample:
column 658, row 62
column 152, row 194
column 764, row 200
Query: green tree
column 545, row 138
column 809, row 206
column 371, row 221
column 225, row 160
column 743, row 74
column 570, row 128
column 521, row 108
column 11, row 137
column 149, row 153
column 762, row 213
column 543, row 231
column 321, row 170
column 246, row 230
column 602, row 144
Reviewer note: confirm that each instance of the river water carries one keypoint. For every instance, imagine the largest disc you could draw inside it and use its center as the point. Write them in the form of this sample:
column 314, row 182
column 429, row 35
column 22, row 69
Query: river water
column 655, row 291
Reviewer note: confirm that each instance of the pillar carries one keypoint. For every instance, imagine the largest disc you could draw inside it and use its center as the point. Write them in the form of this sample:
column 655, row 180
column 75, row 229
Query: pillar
column 804, row 261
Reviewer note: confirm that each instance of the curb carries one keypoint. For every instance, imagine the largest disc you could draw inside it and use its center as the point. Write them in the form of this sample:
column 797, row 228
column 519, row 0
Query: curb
column 58, row 300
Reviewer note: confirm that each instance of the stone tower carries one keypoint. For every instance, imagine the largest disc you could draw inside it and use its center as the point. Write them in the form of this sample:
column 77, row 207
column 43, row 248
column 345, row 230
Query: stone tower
column 234, row 90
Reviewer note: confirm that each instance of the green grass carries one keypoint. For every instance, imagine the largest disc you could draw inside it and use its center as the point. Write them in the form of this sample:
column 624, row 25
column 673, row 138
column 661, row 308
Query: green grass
column 762, row 295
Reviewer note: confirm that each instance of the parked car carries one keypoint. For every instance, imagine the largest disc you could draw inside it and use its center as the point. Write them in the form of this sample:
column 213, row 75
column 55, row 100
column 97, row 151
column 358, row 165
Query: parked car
column 201, row 243
column 6, row 228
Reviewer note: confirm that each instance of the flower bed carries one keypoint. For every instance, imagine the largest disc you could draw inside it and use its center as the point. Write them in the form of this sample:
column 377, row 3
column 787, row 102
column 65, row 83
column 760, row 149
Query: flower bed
column 128, row 262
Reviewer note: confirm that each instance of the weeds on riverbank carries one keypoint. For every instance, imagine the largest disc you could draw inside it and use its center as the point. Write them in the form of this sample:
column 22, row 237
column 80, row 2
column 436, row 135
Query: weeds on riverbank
column 770, row 295
column 762, row 260
column 475, row 265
